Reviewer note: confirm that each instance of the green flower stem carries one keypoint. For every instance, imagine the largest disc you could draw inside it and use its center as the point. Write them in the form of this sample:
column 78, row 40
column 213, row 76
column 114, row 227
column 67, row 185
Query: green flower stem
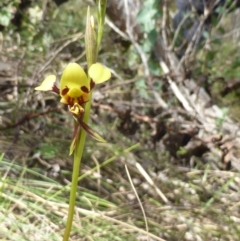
column 76, row 168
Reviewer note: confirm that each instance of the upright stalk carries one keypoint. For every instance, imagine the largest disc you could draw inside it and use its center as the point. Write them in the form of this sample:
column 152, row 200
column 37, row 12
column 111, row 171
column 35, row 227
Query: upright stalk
column 92, row 46
column 76, row 167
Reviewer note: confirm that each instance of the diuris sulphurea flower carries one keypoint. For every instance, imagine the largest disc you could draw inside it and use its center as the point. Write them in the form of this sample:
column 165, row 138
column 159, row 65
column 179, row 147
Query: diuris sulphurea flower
column 75, row 89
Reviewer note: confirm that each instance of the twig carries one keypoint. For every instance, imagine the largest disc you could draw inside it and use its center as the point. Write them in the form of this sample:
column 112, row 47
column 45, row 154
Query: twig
column 28, row 117
column 139, row 201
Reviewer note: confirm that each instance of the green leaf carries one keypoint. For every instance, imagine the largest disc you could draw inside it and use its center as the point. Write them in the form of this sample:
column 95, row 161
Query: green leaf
column 5, row 17
column 142, row 88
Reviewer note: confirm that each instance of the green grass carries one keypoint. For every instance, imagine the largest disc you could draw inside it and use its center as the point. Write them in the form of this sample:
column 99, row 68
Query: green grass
column 34, row 207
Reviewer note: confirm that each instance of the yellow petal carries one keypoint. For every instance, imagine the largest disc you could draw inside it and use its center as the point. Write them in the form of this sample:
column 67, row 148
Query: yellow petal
column 75, row 92
column 47, row 84
column 73, row 77
column 99, row 73
column 63, row 100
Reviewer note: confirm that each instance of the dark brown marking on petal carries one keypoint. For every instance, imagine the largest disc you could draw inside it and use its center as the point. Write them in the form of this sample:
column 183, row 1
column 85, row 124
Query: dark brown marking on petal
column 75, row 135
column 56, row 89
column 70, row 101
column 65, row 90
column 85, row 89
column 81, row 100
column 92, row 84
column 90, row 131
column 76, row 131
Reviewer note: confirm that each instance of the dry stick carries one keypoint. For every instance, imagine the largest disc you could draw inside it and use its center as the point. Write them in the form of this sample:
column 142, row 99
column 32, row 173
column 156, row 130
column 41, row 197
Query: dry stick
column 116, row 29
column 28, row 117
column 150, row 181
column 139, row 201
column 176, row 90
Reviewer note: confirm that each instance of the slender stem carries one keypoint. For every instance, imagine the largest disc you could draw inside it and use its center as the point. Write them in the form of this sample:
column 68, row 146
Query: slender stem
column 76, row 167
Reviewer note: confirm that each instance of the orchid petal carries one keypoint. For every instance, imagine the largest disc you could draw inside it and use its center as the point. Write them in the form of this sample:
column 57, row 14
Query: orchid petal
column 99, row 73
column 47, row 84
column 90, row 131
column 64, row 101
column 74, row 78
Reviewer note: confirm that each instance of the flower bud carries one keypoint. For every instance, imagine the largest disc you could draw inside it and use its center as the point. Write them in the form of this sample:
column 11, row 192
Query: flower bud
column 90, row 40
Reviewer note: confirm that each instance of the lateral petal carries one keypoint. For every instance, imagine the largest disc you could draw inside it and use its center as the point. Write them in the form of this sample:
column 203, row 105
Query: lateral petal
column 99, row 73
column 47, row 84
column 90, row 131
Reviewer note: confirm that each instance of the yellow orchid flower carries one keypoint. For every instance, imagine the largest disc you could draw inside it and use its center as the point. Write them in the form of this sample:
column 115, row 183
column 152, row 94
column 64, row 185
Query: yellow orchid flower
column 75, row 86
column 75, row 89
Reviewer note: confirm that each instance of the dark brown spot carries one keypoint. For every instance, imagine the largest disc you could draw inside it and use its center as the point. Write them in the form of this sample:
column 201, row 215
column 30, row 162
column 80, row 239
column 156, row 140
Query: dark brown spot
column 92, row 84
column 85, row 89
column 65, row 90
column 81, row 100
column 55, row 89
column 70, row 101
